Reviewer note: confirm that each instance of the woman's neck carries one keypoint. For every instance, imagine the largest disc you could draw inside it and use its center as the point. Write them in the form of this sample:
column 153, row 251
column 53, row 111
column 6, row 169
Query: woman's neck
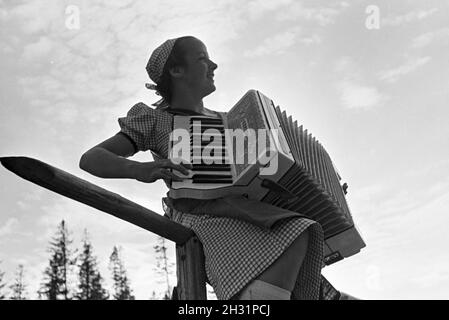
column 186, row 101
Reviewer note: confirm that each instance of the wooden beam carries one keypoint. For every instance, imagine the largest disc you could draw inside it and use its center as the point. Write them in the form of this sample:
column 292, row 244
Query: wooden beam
column 190, row 271
column 88, row 193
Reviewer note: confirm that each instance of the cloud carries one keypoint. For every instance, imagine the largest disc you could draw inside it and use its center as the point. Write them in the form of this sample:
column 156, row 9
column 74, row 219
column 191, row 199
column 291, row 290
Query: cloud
column 383, row 200
column 9, row 227
column 77, row 214
column 429, row 37
column 289, row 10
column 37, row 17
column 357, row 96
column 257, row 8
column 322, row 16
column 409, row 229
column 313, row 39
column 438, row 168
column 384, row 210
column 353, row 93
column 432, row 276
column 412, row 16
column 38, row 50
column 3, row 13
column 282, row 42
column 276, row 44
column 392, row 75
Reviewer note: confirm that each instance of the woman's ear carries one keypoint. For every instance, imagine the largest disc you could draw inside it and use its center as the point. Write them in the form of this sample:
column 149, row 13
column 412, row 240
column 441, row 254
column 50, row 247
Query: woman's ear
column 176, row 71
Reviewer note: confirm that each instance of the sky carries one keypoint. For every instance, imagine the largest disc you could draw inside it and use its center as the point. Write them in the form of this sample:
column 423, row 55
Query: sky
column 369, row 79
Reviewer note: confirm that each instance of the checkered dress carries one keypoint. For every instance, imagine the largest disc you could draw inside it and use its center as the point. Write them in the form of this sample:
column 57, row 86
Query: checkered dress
column 236, row 251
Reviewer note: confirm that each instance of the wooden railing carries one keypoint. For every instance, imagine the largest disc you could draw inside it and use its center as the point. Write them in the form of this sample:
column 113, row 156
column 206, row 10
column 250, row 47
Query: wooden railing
column 189, row 251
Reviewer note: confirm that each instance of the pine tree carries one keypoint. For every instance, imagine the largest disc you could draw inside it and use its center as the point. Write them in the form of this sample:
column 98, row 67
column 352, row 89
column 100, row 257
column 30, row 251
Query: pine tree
column 121, row 282
column 164, row 267
column 153, row 296
column 2, row 285
column 18, row 288
column 51, row 289
column 56, row 285
column 90, row 285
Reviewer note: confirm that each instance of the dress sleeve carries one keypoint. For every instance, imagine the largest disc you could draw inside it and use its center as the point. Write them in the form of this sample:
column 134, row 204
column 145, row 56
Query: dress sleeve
column 139, row 125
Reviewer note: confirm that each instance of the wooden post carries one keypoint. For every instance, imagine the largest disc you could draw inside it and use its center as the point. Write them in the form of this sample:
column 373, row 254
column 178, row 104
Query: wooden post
column 190, row 270
column 72, row 187
column 189, row 251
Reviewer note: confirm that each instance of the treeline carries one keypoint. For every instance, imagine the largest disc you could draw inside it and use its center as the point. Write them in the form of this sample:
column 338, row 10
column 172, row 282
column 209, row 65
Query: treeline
column 66, row 264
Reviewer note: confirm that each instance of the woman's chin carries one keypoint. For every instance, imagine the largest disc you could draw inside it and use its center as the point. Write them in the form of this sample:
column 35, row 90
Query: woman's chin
column 210, row 89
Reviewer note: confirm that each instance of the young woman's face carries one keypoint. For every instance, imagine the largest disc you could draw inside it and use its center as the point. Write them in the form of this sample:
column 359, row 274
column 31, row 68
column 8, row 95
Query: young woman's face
column 198, row 73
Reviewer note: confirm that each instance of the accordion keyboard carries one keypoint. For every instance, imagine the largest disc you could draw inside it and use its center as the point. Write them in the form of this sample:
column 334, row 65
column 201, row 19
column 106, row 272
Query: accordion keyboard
column 210, row 165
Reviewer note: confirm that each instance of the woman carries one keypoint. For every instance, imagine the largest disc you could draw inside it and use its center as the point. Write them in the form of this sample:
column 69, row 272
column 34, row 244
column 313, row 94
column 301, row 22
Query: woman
column 252, row 250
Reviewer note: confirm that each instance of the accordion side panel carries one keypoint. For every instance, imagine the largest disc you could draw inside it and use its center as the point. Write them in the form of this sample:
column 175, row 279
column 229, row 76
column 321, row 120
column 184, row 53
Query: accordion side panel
column 288, row 134
column 332, row 177
column 325, row 171
column 337, row 188
column 322, row 170
column 311, row 159
column 315, row 164
column 296, row 140
column 309, row 155
column 342, row 196
column 293, row 142
column 336, row 184
column 306, row 150
column 246, row 114
column 301, row 146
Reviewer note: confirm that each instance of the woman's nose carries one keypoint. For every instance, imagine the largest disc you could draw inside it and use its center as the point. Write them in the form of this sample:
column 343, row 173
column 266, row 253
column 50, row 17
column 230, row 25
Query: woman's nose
column 213, row 65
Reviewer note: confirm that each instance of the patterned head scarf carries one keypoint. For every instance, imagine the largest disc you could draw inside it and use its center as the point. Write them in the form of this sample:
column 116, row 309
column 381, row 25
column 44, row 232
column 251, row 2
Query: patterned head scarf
column 155, row 65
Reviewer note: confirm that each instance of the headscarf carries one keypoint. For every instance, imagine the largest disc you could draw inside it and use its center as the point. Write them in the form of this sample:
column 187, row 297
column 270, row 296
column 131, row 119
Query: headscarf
column 155, row 66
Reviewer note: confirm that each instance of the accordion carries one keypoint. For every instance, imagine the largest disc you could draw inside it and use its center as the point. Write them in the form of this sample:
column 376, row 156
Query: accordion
column 257, row 151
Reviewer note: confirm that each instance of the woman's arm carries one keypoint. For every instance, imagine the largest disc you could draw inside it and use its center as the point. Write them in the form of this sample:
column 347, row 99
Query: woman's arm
column 108, row 160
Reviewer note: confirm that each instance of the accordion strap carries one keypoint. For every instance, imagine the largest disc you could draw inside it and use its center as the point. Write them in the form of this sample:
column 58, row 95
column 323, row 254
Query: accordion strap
column 278, row 189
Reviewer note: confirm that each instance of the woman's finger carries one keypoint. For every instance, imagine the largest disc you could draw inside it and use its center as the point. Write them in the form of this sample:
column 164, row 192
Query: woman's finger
column 187, row 165
column 178, row 167
column 166, row 174
column 174, row 177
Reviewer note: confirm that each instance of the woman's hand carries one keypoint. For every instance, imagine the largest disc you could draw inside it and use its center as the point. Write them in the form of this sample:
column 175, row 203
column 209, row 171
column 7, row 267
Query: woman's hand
column 152, row 171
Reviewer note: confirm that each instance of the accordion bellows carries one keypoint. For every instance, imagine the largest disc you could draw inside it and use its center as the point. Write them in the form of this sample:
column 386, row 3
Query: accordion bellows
column 305, row 181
